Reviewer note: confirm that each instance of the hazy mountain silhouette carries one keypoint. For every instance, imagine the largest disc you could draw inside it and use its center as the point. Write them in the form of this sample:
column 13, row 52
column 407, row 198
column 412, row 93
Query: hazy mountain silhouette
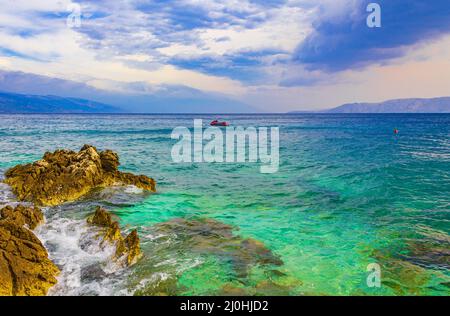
column 24, row 103
column 433, row 105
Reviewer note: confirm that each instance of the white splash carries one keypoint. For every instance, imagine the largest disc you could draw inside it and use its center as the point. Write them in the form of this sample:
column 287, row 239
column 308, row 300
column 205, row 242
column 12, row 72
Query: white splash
column 131, row 189
column 86, row 267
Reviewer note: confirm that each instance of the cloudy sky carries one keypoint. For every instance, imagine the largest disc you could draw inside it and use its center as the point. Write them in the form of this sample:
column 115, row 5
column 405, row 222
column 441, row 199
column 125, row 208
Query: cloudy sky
column 225, row 55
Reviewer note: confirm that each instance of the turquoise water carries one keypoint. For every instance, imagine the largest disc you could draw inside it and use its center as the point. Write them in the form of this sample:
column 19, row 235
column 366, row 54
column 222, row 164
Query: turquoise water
column 348, row 193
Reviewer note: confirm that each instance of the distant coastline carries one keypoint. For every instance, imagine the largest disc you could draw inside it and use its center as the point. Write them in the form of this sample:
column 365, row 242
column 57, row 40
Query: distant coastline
column 14, row 103
column 41, row 104
column 417, row 105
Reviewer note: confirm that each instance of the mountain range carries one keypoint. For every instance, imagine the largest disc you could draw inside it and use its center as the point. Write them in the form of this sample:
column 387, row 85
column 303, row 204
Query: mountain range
column 30, row 103
column 25, row 103
column 134, row 97
column 433, row 105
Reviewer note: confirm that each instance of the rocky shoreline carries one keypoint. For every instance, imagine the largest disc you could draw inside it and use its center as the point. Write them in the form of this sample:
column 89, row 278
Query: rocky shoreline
column 61, row 176
column 25, row 268
column 128, row 249
column 68, row 176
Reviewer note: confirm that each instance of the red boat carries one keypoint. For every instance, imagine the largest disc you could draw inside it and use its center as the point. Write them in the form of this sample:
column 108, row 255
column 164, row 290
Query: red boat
column 217, row 123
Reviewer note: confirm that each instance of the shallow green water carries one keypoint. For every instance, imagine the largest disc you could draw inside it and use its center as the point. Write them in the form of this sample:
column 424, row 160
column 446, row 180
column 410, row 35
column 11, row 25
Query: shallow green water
column 348, row 193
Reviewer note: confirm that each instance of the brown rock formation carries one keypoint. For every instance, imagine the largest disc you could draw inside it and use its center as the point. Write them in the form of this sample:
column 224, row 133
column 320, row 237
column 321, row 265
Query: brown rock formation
column 24, row 265
column 127, row 248
column 22, row 215
column 66, row 175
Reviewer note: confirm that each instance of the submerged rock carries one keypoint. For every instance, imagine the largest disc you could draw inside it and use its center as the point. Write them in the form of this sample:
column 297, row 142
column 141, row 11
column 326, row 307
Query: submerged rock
column 416, row 265
column 127, row 249
column 213, row 237
column 262, row 288
column 66, row 175
column 161, row 286
column 433, row 251
column 403, row 277
column 25, row 268
column 429, row 254
column 270, row 288
column 93, row 272
column 232, row 290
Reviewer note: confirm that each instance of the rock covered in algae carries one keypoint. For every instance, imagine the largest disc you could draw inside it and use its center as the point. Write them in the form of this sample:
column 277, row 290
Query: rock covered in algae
column 432, row 251
column 418, row 265
column 25, row 268
column 429, row 254
column 66, row 175
column 213, row 237
column 203, row 236
column 403, row 277
column 128, row 248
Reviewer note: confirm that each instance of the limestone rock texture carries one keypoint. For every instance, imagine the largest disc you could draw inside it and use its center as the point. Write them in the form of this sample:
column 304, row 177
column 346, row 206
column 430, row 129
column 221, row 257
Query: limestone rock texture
column 25, row 269
column 128, row 249
column 66, row 175
column 23, row 215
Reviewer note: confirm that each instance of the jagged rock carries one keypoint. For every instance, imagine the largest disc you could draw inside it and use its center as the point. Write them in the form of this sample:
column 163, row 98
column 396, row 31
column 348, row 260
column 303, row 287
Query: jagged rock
column 132, row 247
column 25, row 268
column 213, row 237
column 127, row 248
column 110, row 160
column 101, row 218
column 66, row 175
column 22, row 215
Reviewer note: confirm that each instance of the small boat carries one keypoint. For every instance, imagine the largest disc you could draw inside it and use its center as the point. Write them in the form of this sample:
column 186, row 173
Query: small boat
column 218, row 123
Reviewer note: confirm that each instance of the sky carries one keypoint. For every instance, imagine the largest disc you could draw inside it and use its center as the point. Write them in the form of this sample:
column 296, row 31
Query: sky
column 225, row 55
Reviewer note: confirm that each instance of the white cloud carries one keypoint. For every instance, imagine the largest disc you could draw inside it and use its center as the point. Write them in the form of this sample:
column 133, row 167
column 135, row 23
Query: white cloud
column 68, row 54
column 423, row 73
column 126, row 46
column 66, row 58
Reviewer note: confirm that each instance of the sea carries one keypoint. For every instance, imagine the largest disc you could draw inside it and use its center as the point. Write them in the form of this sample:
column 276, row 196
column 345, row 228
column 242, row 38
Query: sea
column 354, row 208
